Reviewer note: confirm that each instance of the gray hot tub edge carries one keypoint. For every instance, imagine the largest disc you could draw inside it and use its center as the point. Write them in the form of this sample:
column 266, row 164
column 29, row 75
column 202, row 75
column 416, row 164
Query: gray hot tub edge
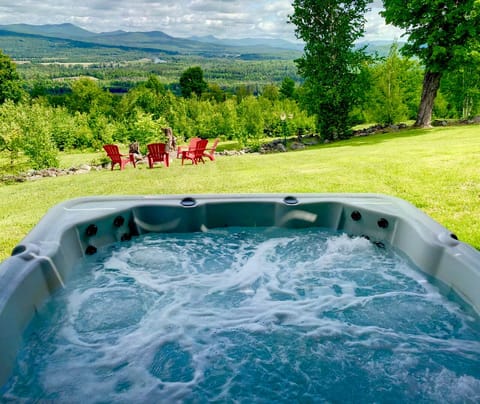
column 43, row 260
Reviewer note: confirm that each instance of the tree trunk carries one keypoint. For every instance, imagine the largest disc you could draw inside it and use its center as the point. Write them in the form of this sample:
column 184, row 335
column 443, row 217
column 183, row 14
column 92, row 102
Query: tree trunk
column 431, row 82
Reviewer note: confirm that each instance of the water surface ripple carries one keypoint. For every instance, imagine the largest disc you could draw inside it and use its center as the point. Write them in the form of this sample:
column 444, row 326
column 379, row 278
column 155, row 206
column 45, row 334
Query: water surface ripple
column 250, row 315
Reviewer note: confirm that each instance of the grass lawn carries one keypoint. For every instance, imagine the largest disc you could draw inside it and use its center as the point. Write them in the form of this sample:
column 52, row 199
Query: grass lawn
column 437, row 170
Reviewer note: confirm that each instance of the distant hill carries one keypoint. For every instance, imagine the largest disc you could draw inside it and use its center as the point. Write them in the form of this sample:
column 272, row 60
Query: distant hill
column 68, row 31
column 251, row 42
column 61, row 41
column 380, row 48
column 68, row 42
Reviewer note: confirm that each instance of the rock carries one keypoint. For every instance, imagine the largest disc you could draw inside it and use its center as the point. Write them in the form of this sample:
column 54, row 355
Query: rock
column 85, row 167
column 32, row 175
column 311, row 140
column 297, row 146
column 439, row 122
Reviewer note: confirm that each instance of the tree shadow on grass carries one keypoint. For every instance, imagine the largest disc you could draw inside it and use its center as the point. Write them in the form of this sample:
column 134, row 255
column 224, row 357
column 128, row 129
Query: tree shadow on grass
column 377, row 138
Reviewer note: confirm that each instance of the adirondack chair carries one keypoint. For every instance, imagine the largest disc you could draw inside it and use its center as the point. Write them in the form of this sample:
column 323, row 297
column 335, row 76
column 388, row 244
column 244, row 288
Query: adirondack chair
column 210, row 152
column 114, row 154
column 157, row 152
column 195, row 154
column 191, row 146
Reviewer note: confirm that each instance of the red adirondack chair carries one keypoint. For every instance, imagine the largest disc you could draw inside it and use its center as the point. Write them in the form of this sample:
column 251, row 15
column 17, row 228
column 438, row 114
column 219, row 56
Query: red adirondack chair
column 114, row 154
column 191, row 146
column 195, row 154
column 157, row 152
column 210, row 152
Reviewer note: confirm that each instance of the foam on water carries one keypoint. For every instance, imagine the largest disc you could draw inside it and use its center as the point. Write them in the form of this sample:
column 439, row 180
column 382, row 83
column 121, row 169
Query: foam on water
column 249, row 315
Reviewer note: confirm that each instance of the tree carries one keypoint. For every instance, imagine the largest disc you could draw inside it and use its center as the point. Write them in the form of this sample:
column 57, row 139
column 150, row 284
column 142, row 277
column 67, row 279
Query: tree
column 214, row 92
column 243, row 91
column 10, row 131
column 150, row 96
column 251, row 120
column 439, row 33
column 287, row 89
column 10, row 84
column 88, row 96
column 228, row 125
column 145, row 129
column 270, row 92
column 461, row 87
column 330, row 64
column 153, row 83
column 388, row 99
column 192, row 82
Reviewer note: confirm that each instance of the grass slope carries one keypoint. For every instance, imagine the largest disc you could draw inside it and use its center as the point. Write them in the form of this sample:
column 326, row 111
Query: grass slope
column 437, row 170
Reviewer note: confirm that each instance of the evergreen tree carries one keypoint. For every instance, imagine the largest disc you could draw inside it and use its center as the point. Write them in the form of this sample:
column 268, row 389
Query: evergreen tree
column 287, row 89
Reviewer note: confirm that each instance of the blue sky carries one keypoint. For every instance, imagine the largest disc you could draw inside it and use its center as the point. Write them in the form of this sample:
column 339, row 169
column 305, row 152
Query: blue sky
column 181, row 18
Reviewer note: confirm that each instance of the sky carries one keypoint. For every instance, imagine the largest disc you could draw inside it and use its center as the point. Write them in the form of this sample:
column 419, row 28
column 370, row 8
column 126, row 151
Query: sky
column 179, row 18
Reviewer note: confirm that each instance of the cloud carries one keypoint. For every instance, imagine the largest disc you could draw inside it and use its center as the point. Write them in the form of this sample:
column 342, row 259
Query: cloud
column 377, row 29
column 183, row 18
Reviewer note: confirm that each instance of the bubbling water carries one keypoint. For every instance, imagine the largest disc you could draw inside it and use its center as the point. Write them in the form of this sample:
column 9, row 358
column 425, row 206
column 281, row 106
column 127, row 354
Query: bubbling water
column 249, row 314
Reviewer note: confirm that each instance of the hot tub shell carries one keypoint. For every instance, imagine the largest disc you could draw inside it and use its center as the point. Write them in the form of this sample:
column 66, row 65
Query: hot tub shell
column 44, row 259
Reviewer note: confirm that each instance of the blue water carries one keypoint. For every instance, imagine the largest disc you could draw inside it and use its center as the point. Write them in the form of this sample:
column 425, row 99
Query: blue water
column 249, row 315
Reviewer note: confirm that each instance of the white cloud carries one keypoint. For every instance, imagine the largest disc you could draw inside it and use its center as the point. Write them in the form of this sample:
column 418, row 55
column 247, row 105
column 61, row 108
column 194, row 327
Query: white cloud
column 377, row 29
column 184, row 18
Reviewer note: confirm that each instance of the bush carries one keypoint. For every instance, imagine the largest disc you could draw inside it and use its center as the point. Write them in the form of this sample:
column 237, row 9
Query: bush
column 37, row 141
column 145, row 129
column 28, row 128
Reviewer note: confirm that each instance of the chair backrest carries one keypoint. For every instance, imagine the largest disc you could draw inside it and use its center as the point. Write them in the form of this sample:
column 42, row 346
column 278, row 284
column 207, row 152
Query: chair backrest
column 113, row 151
column 156, row 149
column 193, row 141
column 192, row 144
column 201, row 146
column 214, row 145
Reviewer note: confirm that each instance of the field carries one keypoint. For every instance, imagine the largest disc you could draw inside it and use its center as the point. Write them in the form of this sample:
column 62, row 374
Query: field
column 437, row 170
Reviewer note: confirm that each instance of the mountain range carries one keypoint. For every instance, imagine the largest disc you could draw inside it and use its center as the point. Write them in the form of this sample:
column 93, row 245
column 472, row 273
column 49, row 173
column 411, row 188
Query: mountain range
column 39, row 41
column 68, row 43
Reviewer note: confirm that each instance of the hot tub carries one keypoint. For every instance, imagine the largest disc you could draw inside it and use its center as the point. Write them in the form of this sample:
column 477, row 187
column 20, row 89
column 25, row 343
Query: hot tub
column 43, row 262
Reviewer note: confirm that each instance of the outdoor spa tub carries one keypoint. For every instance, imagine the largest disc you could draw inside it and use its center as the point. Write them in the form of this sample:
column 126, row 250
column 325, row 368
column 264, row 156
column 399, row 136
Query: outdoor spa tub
column 77, row 230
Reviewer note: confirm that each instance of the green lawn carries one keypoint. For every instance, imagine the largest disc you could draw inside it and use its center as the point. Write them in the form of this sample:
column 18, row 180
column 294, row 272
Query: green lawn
column 438, row 170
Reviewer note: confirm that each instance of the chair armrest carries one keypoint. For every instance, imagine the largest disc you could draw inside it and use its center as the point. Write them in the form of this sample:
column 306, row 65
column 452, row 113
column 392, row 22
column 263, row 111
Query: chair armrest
column 180, row 151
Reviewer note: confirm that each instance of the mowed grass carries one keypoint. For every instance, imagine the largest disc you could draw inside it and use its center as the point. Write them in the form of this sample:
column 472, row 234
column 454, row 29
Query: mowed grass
column 437, row 170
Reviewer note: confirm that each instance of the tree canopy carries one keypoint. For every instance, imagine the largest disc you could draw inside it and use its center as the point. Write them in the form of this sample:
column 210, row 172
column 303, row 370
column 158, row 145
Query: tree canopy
column 440, row 33
column 10, row 87
column 331, row 63
column 192, row 82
